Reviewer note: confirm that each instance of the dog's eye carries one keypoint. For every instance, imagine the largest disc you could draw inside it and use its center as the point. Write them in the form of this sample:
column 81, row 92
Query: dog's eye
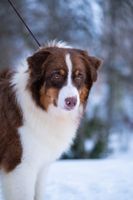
column 56, row 76
column 78, row 79
column 79, row 76
column 57, row 79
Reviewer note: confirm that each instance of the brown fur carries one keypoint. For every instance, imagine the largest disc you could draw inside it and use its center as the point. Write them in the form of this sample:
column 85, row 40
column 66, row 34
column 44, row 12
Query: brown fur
column 48, row 97
column 10, row 120
column 84, row 95
column 40, row 73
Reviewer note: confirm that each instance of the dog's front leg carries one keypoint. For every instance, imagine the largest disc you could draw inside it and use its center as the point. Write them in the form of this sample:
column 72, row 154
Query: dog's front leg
column 19, row 184
column 41, row 184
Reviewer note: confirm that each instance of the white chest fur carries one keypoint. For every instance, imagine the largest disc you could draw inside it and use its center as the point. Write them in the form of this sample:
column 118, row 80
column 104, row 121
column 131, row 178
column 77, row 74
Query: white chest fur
column 47, row 142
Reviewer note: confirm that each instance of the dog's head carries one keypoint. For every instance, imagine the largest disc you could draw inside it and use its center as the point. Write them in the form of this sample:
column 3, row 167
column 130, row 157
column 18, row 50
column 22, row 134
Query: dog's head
column 61, row 77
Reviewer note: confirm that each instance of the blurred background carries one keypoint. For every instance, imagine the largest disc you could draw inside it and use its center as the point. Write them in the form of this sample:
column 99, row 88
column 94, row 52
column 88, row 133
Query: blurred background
column 105, row 29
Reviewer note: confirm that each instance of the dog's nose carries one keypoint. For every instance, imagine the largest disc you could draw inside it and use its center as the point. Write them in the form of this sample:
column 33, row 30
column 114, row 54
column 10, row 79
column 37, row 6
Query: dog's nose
column 70, row 102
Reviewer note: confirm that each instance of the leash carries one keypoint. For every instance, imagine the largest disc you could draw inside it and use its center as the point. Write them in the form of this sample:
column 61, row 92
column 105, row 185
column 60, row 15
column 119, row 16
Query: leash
column 23, row 21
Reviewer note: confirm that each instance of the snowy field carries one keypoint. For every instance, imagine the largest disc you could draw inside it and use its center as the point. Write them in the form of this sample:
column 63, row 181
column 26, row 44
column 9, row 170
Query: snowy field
column 109, row 179
column 91, row 180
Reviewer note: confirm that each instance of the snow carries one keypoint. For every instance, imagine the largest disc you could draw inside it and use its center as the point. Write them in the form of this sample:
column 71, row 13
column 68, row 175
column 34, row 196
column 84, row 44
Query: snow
column 109, row 179
column 91, row 179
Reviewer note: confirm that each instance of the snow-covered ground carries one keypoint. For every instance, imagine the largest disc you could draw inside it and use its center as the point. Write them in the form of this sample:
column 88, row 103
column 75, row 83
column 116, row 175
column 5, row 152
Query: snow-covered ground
column 91, row 180
column 109, row 179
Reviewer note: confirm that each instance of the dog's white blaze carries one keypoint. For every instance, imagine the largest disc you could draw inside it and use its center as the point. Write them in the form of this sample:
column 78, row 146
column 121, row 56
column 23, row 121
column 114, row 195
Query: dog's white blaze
column 69, row 90
column 69, row 65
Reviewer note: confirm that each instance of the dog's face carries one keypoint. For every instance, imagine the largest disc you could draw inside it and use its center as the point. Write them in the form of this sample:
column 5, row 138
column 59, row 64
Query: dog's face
column 61, row 77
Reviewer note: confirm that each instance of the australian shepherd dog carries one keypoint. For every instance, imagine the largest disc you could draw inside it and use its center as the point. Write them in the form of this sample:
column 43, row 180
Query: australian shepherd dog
column 41, row 106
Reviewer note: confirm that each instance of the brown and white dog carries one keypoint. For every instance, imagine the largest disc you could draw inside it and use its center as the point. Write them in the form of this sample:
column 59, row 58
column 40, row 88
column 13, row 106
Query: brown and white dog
column 40, row 109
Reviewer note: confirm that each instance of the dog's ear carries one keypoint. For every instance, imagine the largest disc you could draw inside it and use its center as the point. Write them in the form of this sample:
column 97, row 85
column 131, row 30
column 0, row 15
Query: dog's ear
column 92, row 63
column 36, row 60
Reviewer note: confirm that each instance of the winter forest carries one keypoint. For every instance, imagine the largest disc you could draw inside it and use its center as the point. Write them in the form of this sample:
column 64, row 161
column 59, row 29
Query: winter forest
column 105, row 29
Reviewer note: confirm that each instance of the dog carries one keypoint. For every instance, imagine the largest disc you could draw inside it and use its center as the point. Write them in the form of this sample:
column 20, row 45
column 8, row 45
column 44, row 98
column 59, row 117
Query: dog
column 41, row 106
